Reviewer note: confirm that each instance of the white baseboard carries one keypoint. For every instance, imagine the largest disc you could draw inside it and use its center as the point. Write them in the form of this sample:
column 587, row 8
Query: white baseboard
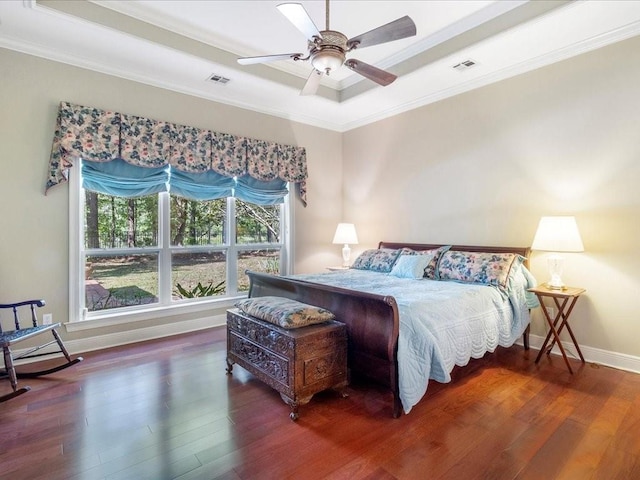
column 621, row 361
column 594, row 355
column 142, row 334
column 115, row 339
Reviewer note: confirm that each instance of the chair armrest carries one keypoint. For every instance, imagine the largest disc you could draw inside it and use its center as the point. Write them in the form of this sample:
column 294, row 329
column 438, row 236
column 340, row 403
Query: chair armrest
column 37, row 303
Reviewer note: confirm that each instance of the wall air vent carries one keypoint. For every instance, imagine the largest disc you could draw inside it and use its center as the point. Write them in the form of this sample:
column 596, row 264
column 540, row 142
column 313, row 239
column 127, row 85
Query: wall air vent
column 465, row 65
column 219, row 79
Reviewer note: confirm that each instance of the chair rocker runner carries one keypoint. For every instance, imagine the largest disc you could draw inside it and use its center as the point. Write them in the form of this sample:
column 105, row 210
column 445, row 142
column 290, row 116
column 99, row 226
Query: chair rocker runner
column 11, row 337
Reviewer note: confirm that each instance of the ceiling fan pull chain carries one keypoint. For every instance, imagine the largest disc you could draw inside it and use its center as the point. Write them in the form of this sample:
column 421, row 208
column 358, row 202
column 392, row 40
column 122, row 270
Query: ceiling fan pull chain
column 327, row 16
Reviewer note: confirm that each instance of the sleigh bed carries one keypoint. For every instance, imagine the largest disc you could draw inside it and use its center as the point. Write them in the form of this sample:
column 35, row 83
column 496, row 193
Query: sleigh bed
column 375, row 315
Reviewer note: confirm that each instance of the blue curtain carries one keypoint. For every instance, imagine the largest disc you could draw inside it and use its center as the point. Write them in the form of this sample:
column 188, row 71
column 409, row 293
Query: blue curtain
column 200, row 186
column 121, row 179
column 260, row 192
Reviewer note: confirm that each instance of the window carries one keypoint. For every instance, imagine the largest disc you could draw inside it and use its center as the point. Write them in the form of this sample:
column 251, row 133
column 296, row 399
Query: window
column 166, row 251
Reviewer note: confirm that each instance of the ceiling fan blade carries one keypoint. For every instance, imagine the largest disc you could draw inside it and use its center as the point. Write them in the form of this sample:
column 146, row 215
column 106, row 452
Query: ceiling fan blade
column 297, row 15
column 376, row 74
column 269, row 58
column 313, row 82
column 400, row 28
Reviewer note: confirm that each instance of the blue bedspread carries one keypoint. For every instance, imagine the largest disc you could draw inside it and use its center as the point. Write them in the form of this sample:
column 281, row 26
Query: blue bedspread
column 442, row 324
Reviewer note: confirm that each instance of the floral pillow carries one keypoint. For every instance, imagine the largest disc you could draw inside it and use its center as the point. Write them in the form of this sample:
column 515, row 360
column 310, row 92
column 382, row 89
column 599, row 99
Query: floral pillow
column 431, row 270
column 377, row 260
column 484, row 268
column 284, row 312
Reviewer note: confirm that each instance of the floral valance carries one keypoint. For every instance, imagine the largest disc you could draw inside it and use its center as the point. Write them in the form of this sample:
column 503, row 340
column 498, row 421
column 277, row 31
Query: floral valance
column 101, row 136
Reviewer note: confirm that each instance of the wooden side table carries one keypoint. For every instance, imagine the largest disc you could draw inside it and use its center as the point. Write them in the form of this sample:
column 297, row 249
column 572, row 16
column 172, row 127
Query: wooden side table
column 564, row 300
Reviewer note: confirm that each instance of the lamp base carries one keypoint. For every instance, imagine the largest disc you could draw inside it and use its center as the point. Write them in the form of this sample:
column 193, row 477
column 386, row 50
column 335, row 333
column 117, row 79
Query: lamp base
column 555, row 263
column 555, row 284
column 346, row 254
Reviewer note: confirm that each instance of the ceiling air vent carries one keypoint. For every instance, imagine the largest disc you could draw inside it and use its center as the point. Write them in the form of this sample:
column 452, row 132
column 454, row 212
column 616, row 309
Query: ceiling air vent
column 219, row 79
column 465, row 65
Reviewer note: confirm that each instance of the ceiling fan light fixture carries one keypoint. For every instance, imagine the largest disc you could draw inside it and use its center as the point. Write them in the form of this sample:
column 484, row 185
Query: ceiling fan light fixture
column 327, row 60
column 328, row 48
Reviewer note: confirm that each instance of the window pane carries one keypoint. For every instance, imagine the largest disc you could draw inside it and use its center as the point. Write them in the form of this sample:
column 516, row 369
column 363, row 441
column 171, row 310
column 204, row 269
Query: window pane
column 257, row 223
column 267, row 260
column 116, row 222
column 195, row 275
column 197, row 222
column 120, row 281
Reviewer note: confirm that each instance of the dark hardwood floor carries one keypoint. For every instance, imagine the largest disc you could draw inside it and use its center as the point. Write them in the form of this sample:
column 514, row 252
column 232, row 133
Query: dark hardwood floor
column 166, row 409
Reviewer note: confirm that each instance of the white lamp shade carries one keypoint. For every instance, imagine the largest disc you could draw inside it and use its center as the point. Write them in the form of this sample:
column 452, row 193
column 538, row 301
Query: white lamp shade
column 346, row 233
column 558, row 234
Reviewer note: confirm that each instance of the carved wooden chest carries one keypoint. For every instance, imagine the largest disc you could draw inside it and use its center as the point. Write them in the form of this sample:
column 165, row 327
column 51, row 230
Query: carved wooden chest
column 296, row 362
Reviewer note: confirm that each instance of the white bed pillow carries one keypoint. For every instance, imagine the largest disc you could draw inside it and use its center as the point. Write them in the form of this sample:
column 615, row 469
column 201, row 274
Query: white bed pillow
column 411, row 266
column 431, row 270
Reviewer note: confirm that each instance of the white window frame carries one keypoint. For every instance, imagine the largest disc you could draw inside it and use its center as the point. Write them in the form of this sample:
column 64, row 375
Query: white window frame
column 80, row 318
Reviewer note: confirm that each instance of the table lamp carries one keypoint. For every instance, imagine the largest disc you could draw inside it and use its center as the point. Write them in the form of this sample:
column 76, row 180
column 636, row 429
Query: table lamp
column 346, row 234
column 557, row 234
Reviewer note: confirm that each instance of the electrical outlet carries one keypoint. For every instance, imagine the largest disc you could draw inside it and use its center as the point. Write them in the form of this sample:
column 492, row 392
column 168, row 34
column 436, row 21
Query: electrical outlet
column 47, row 319
column 552, row 312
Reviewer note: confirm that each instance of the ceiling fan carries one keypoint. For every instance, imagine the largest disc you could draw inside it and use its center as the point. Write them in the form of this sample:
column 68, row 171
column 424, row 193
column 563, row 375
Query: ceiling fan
column 328, row 48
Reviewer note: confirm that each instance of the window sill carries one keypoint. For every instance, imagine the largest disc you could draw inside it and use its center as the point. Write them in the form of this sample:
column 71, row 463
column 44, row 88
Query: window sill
column 111, row 319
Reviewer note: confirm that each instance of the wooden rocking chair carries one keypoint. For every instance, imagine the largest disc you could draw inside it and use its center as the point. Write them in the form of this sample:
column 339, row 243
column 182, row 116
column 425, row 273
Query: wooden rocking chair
column 11, row 337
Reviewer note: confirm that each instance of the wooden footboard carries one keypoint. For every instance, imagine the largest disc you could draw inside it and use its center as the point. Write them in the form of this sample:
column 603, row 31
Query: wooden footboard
column 372, row 324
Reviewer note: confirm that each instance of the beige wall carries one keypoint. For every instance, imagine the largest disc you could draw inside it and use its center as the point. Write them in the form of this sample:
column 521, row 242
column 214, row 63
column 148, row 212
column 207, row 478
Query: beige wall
column 479, row 168
column 34, row 260
column 482, row 167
